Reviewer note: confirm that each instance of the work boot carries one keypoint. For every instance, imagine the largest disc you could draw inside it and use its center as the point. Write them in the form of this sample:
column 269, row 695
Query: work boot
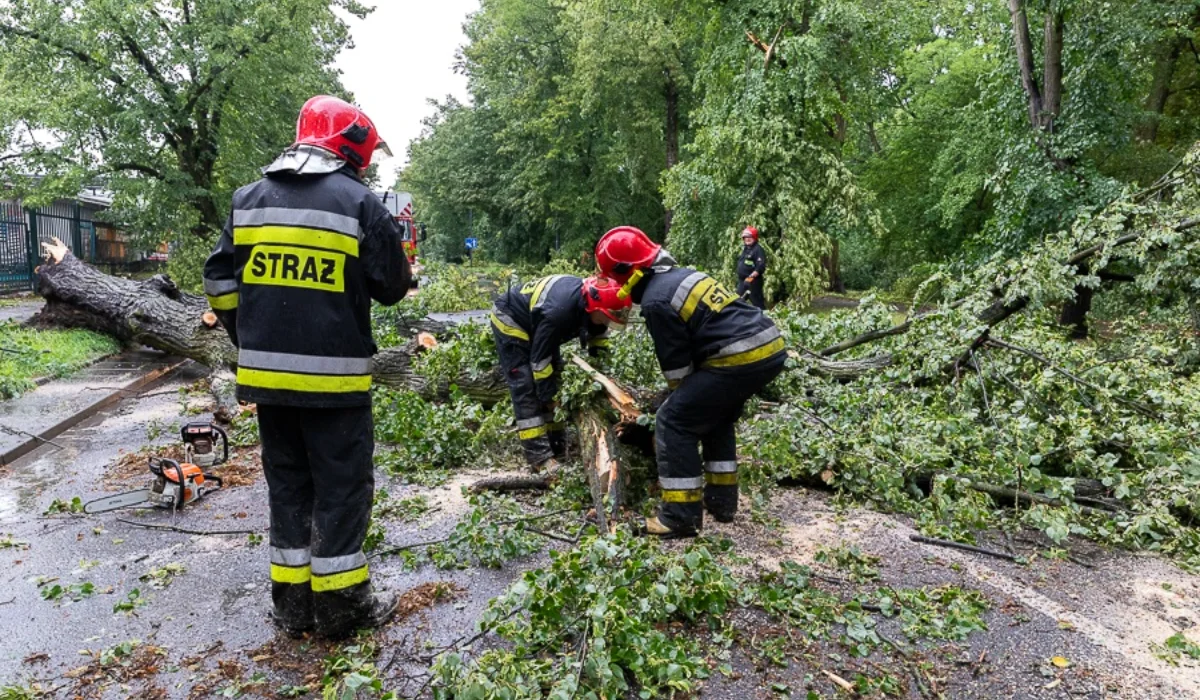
column 374, row 612
column 722, row 515
column 295, row 630
column 656, row 528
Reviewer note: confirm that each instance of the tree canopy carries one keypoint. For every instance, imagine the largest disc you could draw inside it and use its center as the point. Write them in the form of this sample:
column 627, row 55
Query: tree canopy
column 171, row 104
column 901, row 134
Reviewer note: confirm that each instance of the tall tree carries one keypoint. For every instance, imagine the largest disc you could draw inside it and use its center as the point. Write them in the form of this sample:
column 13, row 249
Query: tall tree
column 171, row 103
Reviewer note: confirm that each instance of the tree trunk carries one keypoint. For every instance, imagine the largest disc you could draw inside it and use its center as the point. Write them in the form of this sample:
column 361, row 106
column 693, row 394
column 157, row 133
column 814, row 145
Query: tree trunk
column 671, row 134
column 599, row 447
column 159, row 315
column 833, row 268
column 1024, row 48
column 1053, row 70
column 1074, row 316
column 1160, row 88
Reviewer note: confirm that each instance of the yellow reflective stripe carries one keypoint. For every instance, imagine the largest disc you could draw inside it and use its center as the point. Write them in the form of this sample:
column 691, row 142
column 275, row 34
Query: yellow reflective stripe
column 600, row 342
column 338, row 581
column 532, row 433
column 537, row 292
column 296, row 235
column 290, row 574
column 722, row 479
column 509, row 330
column 688, row 496
column 693, row 299
column 748, row 357
column 316, row 383
column 225, row 302
column 543, row 373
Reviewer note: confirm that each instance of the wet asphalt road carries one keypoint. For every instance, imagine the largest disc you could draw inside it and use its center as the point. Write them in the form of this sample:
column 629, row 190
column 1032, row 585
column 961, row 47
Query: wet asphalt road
column 1102, row 619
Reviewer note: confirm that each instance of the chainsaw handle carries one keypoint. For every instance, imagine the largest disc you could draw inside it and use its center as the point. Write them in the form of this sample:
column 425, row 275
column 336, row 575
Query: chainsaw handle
column 224, row 444
column 158, row 465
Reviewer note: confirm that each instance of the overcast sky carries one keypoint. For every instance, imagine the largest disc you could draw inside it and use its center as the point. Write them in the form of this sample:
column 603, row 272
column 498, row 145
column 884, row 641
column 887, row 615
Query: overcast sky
column 404, row 55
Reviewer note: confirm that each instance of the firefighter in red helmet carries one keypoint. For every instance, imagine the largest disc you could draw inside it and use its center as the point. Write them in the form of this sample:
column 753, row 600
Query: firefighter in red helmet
column 304, row 251
column 529, row 324
column 715, row 351
column 752, row 263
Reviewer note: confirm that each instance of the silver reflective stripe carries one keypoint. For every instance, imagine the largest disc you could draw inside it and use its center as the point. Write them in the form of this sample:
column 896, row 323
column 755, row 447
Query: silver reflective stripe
column 310, row 218
column 531, row 423
column 723, row 467
column 323, row 566
column 505, row 318
column 290, row 557
column 541, row 300
column 677, row 374
column 757, row 340
column 216, row 288
column 304, row 364
column 675, row 484
column 539, row 366
column 685, row 288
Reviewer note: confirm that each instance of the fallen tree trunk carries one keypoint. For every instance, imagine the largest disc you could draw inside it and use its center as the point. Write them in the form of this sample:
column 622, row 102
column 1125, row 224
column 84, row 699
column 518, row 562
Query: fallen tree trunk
column 157, row 314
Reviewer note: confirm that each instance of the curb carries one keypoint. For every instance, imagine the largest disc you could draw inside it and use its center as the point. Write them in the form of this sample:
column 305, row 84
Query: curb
column 114, row 396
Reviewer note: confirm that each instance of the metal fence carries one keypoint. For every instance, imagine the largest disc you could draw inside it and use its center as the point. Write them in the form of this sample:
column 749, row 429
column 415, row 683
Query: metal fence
column 24, row 229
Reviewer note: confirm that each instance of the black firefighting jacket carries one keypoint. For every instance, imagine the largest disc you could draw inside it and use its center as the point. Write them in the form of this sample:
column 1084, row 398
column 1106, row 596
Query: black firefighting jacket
column 753, row 259
column 547, row 313
column 696, row 323
column 292, row 279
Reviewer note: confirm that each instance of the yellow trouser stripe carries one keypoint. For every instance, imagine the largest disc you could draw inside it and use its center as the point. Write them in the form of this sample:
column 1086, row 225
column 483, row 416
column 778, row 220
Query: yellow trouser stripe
column 317, row 383
column 225, row 302
column 688, row 496
column 748, row 357
column 725, row 479
column 532, row 433
column 295, row 235
column 693, row 299
column 509, row 330
column 338, row 581
column 290, row 574
column 543, row 373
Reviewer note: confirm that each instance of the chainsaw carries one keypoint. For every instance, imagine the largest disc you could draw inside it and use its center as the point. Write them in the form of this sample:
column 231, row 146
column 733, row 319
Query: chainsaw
column 174, row 484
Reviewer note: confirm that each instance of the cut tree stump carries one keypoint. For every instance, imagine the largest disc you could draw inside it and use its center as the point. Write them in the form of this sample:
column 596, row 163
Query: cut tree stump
column 157, row 314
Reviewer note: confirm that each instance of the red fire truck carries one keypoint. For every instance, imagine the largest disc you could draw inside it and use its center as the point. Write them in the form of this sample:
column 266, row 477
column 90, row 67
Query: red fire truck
column 400, row 204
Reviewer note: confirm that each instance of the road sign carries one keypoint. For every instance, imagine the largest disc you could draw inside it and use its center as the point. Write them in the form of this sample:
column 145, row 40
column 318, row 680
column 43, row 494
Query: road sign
column 472, row 243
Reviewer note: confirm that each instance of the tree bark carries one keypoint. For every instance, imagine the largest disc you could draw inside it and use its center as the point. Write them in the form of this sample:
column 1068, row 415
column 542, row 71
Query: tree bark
column 1075, row 311
column 1166, row 60
column 159, row 315
column 599, row 446
column 1024, row 48
column 833, row 268
column 1052, row 80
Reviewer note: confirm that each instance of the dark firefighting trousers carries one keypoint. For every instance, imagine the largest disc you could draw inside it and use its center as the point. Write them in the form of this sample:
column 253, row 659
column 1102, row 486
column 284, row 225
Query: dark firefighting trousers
column 540, row 436
column 755, row 297
column 703, row 412
column 321, row 481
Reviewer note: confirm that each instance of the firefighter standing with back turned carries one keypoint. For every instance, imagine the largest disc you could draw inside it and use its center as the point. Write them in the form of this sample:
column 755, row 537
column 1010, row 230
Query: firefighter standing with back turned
column 716, row 351
column 304, row 252
column 529, row 324
column 752, row 264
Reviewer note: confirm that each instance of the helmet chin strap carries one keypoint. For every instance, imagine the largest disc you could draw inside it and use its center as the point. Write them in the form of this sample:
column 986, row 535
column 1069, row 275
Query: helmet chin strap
column 627, row 288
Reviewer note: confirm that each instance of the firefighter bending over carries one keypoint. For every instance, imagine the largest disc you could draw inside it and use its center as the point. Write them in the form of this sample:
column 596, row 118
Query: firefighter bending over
column 529, row 324
column 716, row 351
column 304, row 252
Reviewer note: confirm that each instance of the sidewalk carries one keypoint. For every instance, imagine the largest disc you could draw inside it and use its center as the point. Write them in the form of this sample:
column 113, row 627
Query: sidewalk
column 38, row 416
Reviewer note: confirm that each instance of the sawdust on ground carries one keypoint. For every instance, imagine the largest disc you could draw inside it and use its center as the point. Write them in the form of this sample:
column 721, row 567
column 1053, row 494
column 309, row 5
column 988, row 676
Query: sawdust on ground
column 243, row 468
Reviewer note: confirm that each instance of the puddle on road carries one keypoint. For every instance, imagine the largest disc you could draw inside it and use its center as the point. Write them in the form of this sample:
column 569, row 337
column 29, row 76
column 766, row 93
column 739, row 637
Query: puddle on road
column 28, row 481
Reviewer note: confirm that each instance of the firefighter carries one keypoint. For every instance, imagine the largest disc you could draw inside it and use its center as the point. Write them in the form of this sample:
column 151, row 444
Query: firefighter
column 715, row 351
column 529, row 324
column 752, row 263
column 304, row 251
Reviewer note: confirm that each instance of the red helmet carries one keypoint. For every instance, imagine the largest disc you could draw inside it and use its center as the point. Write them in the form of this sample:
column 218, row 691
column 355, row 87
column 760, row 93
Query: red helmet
column 604, row 295
column 340, row 128
column 752, row 232
column 623, row 250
